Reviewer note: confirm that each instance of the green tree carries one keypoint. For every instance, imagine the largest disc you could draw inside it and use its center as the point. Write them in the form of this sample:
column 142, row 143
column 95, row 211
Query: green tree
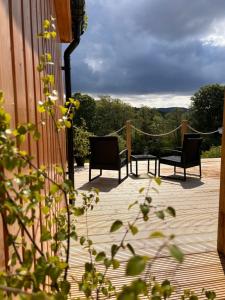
column 113, row 113
column 86, row 111
column 207, row 111
column 173, row 120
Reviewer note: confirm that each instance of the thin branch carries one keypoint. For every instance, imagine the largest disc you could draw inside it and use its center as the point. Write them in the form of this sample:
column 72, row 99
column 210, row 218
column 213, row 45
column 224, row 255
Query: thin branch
column 25, row 229
column 14, row 290
column 13, row 243
column 68, row 236
column 58, row 142
column 87, row 235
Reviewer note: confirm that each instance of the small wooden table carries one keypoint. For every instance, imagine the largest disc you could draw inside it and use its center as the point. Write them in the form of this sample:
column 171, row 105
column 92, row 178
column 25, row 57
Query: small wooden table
column 142, row 157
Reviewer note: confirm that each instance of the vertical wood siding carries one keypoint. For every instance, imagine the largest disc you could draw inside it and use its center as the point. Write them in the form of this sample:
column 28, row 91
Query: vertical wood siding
column 20, row 22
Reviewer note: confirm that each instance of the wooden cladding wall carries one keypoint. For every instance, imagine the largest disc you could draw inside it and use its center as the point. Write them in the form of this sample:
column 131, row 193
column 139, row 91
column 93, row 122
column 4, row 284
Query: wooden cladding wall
column 20, row 22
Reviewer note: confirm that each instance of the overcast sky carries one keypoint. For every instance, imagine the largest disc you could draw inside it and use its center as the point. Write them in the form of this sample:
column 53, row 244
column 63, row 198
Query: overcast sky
column 153, row 52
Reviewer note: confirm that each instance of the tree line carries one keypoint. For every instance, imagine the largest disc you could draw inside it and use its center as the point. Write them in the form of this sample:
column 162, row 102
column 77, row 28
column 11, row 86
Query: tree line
column 107, row 115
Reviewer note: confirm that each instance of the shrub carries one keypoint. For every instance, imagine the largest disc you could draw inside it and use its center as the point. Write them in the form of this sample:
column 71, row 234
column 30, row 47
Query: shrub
column 213, row 152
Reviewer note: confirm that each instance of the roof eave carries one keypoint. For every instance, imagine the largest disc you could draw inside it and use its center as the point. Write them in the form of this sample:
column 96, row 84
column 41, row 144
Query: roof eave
column 64, row 20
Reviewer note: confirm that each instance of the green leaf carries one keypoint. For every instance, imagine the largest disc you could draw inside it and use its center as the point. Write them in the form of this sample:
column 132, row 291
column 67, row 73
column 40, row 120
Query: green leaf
column 107, row 262
column 193, row 297
column 156, row 234
column 116, row 225
column 60, row 235
column 88, row 267
column 36, row 135
column 100, row 256
column 45, row 210
column 114, row 250
column 1, row 97
column 135, row 265
column 45, row 234
column 54, row 189
column 141, row 190
column 46, row 24
column 160, row 214
column 65, row 287
column 67, row 124
column 115, row 263
column 148, row 199
column 176, row 253
column 133, row 229
column 158, row 180
column 171, row 211
column 139, row 286
column 21, row 129
column 41, row 108
column 131, row 248
column 82, row 240
column 210, row 295
column 132, row 204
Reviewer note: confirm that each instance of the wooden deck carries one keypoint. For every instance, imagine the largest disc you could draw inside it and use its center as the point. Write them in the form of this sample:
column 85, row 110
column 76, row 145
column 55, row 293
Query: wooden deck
column 195, row 226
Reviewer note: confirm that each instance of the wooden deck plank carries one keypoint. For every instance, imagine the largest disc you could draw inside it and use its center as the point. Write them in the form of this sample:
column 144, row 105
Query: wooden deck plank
column 196, row 203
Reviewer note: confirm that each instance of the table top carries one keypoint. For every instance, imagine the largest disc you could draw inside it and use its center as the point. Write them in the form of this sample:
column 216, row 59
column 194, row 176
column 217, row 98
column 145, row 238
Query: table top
column 143, row 156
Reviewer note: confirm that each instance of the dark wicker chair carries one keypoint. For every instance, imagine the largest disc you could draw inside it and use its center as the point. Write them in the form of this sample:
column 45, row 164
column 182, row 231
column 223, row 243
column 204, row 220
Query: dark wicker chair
column 189, row 156
column 105, row 155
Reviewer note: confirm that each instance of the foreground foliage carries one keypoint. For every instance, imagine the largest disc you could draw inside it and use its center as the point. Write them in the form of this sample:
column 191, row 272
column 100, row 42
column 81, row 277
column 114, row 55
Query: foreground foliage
column 39, row 260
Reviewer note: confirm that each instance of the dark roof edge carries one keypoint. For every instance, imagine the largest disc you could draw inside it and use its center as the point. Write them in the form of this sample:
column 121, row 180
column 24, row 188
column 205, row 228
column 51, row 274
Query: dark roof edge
column 78, row 17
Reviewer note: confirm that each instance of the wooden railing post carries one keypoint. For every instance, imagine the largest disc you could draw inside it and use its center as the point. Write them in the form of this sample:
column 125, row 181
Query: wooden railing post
column 128, row 138
column 221, row 217
column 184, row 129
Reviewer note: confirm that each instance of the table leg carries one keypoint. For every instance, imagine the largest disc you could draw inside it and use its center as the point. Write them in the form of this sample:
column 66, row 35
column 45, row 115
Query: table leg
column 136, row 167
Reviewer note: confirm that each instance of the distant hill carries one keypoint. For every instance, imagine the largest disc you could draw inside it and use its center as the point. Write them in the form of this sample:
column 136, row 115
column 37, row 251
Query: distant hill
column 166, row 110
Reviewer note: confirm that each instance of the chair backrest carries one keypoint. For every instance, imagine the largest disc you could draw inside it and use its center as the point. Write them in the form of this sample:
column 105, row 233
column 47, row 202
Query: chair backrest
column 191, row 135
column 104, row 150
column 191, row 149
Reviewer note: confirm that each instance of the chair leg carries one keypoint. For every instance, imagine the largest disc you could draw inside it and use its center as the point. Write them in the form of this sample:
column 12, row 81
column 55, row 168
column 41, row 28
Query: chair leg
column 119, row 176
column 91, row 179
column 155, row 167
column 159, row 170
column 127, row 169
column 136, row 168
column 89, row 173
column 175, row 169
column 200, row 170
column 184, row 174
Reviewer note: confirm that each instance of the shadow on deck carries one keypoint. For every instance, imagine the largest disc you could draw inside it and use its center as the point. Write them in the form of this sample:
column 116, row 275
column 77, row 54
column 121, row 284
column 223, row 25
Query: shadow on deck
column 195, row 226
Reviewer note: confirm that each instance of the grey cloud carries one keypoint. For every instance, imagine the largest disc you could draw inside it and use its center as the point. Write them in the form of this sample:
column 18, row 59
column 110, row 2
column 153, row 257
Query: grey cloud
column 148, row 46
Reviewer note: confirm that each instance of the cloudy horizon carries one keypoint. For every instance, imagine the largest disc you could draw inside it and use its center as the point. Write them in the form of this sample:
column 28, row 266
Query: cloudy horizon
column 149, row 52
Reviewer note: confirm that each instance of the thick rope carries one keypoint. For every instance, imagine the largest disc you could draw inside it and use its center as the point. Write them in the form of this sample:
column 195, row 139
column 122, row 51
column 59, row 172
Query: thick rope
column 206, row 133
column 116, row 132
column 156, row 135
column 110, row 134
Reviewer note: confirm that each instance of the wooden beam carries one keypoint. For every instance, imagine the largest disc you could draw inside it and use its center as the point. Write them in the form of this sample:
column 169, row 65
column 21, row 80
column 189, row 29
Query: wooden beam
column 128, row 138
column 64, row 20
column 184, row 129
column 221, row 221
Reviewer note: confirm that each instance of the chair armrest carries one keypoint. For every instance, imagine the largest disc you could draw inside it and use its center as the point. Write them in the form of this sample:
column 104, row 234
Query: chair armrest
column 125, row 151
column 173, row 151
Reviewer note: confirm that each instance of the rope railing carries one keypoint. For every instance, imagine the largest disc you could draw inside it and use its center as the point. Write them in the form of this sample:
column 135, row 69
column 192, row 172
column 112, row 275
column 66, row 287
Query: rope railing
column 156, row 135
column 159, row 134
column 110, row 134
column 116, row 132
column 204, row 133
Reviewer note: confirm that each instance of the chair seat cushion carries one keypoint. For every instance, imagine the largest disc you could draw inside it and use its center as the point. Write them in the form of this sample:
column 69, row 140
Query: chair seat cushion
column 173, row 160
